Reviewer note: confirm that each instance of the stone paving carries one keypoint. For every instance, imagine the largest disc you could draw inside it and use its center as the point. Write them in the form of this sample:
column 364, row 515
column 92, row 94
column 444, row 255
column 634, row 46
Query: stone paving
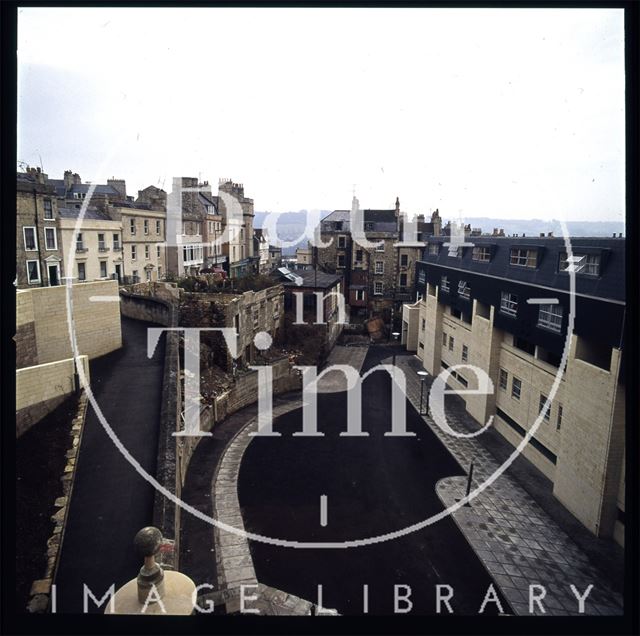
column 516, row 540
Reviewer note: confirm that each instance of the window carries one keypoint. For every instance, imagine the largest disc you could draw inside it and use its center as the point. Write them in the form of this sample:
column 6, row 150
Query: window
column 404, row 260
column 132, row 226
column 116, row 241
column 550, row 317
column 481, row 254
column 358, row 256
column 524, row 345
column 456, row 313
column 30, row 239
column 342, row 242
column 582, row 264
column 33, row 272
column 504, row 378
column 523, row 257
column 463, row 289
column 340, row 260
column 146, row 252
column 444, row 283
column 451, row 343
column 403, row 280
column 509, row 304
column 146, row 226
column 465, row 353
column 102, row 246
column 159, row 272
column 359, row 294
column 50, row 239
column 82, row 271
column 380, row 248
column 559, row 418
column 516, row 388
column 103, row 269
column 444, row 339
column 434, row 248
column 541, row 407
column 424, row 324
column 378, row 288
column 157, row 251
column 379, row 267
column 148, row 273
column 133, row 253
column 48, row 209
column 158, row 226
column 79, row 243
column 136, row 278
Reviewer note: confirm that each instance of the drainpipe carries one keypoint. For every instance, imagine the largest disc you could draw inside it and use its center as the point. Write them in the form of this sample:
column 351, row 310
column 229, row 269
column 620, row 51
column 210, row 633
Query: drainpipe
column 35, row 205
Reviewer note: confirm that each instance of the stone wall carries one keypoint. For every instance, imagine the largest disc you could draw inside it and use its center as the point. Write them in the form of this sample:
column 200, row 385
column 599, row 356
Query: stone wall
column 97, row 324
column 146, row 309
column 41, row 388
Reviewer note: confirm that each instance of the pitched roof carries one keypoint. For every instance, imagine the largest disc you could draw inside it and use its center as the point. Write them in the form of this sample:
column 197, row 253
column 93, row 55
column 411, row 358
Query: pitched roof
column 90, row 214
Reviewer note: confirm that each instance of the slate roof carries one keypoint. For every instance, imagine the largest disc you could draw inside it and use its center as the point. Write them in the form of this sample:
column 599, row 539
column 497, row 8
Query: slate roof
column 90, row 214
column 311, row 278
column 609, row 284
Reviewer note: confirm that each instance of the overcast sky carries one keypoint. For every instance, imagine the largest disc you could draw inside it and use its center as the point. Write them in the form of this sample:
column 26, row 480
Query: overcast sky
column 503, row 113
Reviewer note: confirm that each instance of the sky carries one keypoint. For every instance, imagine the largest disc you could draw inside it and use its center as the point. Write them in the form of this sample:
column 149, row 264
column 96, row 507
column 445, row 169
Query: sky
column 507, row 113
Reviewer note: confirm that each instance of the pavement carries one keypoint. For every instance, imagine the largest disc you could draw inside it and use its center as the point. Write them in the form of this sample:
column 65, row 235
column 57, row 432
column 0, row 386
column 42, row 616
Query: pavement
column 374, row 485
column 110, row 501
column 518, row 541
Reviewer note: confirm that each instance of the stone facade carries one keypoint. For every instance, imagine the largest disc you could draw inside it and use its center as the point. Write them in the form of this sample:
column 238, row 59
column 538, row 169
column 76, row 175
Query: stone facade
column 579, row 446
column 39, row 259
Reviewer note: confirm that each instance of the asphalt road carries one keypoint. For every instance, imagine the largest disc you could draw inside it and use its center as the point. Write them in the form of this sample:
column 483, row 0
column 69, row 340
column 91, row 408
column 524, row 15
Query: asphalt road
column 373, row 485
column 110, row 501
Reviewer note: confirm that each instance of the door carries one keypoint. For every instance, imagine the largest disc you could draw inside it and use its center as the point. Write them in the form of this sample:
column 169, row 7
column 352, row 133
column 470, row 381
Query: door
column 54, row 276
column 119, row 273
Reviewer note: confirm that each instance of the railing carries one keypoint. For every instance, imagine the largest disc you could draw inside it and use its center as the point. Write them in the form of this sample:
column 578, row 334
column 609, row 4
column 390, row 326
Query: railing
column 103, row 247
column 81, row 248
column 117, row 247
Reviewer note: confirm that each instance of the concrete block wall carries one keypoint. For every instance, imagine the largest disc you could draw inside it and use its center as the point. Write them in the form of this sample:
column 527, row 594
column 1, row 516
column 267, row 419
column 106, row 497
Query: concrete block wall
column 97, row 324
column 41, row 388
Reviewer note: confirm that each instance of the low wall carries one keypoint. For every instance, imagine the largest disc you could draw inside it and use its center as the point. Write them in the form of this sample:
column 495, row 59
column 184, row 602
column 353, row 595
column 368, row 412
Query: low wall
column 146, row 308
column 41, row 388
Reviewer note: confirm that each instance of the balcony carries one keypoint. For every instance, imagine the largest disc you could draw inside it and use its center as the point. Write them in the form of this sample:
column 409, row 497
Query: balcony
column 103, row 247
column 81, row 248
column 117, row 247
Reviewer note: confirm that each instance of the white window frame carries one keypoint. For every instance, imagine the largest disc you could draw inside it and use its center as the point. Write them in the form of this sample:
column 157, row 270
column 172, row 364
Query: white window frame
column 523, row 257
column 342, row 242
column 79, row 242
column 55, row 239
column 503, row 374
column 158, row 227
column 82, row 265
column 591, row 266
column 380, row 248
column 147, row 252
column 106, row 271
column 359, row 294
column 35, row 238
column 465, row 353
column 509, row 304
column 45, row 209
column 445, row 283
column 516, row 394
column 379, row 267
column 145, row 227
column 481, row 254
column 134, row 253
column 132, row 227
column 378, row 284
column 116, row 240
column 37, row 262
column 451, row 343
column 464, row 291
column 550, row 317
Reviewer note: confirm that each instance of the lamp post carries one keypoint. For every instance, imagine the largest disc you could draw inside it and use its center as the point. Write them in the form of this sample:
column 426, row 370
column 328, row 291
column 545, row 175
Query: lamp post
column 423, row 376
column 395, row 336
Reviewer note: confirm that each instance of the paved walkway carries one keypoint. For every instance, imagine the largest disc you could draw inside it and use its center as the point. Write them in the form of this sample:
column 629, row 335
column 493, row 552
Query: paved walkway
column 110, row 502
column 517, row 541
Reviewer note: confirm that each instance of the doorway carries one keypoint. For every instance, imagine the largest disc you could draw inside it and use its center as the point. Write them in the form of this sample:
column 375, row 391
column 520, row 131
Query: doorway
column 54, row 274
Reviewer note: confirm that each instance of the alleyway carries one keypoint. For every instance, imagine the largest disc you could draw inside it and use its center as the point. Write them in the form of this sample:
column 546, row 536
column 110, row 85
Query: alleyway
column 110, row 501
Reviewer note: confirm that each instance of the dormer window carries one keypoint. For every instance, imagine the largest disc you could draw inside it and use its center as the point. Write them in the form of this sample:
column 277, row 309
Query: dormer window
column 434, row 248
column 481, row 254
column 464, row 290
column 524, row 257
column 588, row 264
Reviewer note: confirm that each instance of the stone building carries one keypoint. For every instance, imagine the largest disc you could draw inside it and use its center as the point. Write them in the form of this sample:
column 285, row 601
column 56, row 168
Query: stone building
column 261, row 249
column 38, row 247
column 143, row 241
column 304, row 257
column 238, row 213
column 95, row 249
column 503, row 305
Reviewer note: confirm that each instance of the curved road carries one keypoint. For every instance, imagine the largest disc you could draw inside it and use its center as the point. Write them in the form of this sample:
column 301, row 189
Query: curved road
column 110, row 502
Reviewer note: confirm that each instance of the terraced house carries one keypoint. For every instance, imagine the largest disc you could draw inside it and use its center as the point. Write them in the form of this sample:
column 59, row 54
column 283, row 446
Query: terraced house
column 503, row 305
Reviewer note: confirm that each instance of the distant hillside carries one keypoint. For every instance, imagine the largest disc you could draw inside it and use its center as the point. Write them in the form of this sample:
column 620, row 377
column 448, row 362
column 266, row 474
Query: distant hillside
column 533, row 227
column 291, row 226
